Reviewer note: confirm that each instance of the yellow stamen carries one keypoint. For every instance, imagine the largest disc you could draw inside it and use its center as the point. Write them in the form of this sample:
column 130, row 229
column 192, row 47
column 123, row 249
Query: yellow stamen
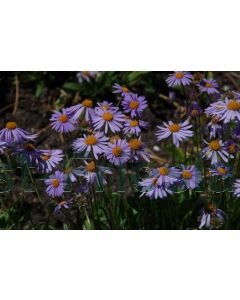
column 11, row 125
column 114, row 138
column 214, row 145
column 45, row 156
column 117, row 151
column 134, row 104
column 133, row 123
column 163, row 171
column 208, row 85
column 233, row 105
column 29, row 147
column 186, row 174
column 91, row 167
column 87, row 103
column 107, row 116
column 232, row 148
column 125, row 90
column 211, row 208
column 135, row 144
column 221, row 170
column 55, row 183
column 91, row 140
column 63, row 118
column 174, row 128
column 179, row 75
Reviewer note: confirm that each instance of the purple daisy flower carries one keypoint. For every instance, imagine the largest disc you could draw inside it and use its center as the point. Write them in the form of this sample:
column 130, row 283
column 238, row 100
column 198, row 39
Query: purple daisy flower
column 211, row 217
column 231, row 147
column 134, row 126
column 14, row 135
column 64, row 204
column 153, row 190
column 63, row 122
column 95, row 142
column 194, row 110
column 190, row 176
column 118, row 152
column 134, row 104
column 86, row 76
column 71, row 174
column 179, row 132
column 55, row 184
column 108, row 120
column 91, row 174
column 84, row 110
column 215, row 151
column 106, row 106
column 179, row 78
column 237, row 188
column 50, row 159
column 209, row 86
column 220, row 170
column 3, row 146
column 138, row 151
column 215, row 127
column 28, row 153
column 166, row 175
column 118, row 89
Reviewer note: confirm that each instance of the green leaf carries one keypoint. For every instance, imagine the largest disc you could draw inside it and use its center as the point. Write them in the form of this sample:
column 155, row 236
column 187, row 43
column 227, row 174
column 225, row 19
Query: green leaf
column 133, row 76
column 72, row 86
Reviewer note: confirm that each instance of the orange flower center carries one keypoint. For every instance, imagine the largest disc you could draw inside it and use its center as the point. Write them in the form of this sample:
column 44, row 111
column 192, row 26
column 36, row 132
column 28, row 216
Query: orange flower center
column 86, row 73
column 163, row 171
column 114, row 138
column 11, row 125
column 179, row 75
column 55, row 183
column 133, row 123
column 134, row 104
column 125, row 90
column 194, row 113
column 231, row 148
column 186, row 174
column 208, row 85
column 215, row 120
column 135, row 144
column 221, row 170
column 29, row 147
column 91, row 167
column 211, row 208
column 107, row 116
column 233, row 105
column 87, row 103
column 91, row 140
column 45, row 156
column 174, row 128
column 117, row 151
column 63, row 118
column 214, row 145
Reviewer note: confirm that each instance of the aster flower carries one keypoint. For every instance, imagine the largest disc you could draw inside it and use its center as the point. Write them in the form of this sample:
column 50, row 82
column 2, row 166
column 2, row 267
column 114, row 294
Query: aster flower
column 134, row 104
column 221, row 170
column 84, row 110
column 3, row 145
column 138, row 151
column 63, row 122
column 231, row 147
column 105, row 106
column 71, row 174
column 166, row 175
column 153, row 190
column 50, row 159
column 194, row 110
column 134, row 126
column 118, row 152
column 237, row 188
column 215, row 151
column 209, row 86
column 211, row 217
column 179, row 78
column 236, row 131
column 179, row 132
column 95, row 142
column 64, row 204
column 118, row 89
column 215, row 127
column 28, row 153
column 92, row 174
column 108, row 120
column 190, row 176
column 55, row 184
column 85, row 76
column 11, row 134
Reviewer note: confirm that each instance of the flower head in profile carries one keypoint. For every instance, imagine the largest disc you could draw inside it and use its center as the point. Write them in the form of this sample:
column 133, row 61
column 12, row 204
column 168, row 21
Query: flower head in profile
column 49, row 159
column 118, row 89
column 178, row 131
column 138, row 150
column 84, row 110
column 29, row 154
column 190, row 176
column 166, row 175
column 95, row 143
column 134, row 126
column 55, row 184
column 216, row 152
column 12, row 135
column 105, row 106
column 231, row 147
column 153, row 190
column 63, row 122
column 194, row 110
column 209, row 86
column 86, row 76
column 134, row 105
column 118, row 152
column 179, row 78
column 237, row 188
column 71, row 174
column 215, row 127
column 108, row 120
column 61, row 205
column 211, row 217
column 221, row 170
